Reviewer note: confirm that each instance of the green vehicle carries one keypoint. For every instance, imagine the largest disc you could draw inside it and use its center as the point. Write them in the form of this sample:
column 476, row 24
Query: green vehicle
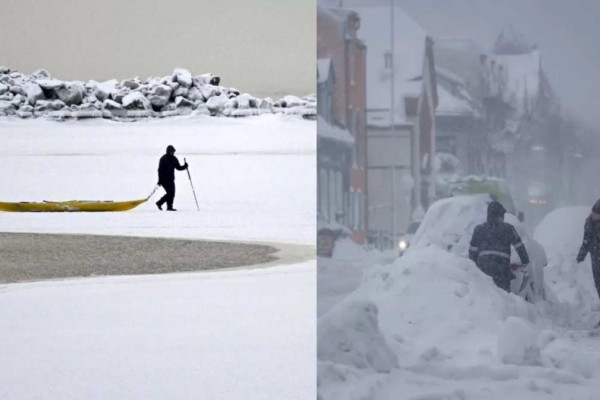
column 495, row 187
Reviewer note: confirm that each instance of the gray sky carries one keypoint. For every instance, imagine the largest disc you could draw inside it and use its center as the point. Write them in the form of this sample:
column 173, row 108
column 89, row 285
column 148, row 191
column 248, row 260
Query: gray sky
column 265, row 47
column 567, row 33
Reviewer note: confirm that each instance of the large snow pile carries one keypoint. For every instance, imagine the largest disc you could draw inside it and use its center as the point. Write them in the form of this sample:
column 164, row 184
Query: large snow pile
column 341, row 274
column 561, row 233
column 180, row 93
column 453, row 334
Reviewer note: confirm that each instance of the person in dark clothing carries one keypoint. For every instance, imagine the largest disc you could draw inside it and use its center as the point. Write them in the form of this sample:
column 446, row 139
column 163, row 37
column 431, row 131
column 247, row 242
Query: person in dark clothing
column 490, row 246
column 166, row 177
column 591, row 243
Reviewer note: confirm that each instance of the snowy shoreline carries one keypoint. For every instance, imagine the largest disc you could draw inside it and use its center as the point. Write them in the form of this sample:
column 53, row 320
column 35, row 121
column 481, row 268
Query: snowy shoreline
column 181, row 93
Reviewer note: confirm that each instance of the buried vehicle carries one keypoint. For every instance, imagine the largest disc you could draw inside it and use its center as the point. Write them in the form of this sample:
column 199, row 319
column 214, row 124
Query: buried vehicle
column 449, row 223
column 406, row 239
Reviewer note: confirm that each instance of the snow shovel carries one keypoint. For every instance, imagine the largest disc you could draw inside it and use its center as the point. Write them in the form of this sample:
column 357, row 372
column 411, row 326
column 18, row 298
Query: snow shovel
column 526, row 278
column 191, row 183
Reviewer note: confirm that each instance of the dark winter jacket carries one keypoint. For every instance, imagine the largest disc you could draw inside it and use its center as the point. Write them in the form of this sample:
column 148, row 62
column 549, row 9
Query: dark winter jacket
column 166, row 169
column 591, row 240
column 493, row 239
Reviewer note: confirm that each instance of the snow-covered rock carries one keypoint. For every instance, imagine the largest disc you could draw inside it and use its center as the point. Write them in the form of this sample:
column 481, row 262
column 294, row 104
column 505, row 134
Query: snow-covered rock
column 136, row 101
column 230, row 104
column 104, row 90
column 208, row 79
column 88, row 111
column 50, row 84
column 49, row 105
column 182, row 102
column 194, row 94
column 183, row 77
column 25, row 111
column 291, row 101
column 4, row 70
column 18, row 100
column 246, row 101
column 209, row 91
column 71, row 93
column 34, row 93
column 216, row 104
column 6, row 108
column 111, row 105
column 131, row 84
column 181, row 91
column 159, row 95
column 119, row 94
column 41, row 74
column 266, row 104
column 16, row 89
column 232, row 92
column 3, row 88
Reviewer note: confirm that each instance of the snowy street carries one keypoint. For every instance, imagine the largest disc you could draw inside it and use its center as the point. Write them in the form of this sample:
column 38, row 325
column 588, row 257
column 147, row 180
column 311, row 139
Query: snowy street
column 431, row 325
column 226, row 335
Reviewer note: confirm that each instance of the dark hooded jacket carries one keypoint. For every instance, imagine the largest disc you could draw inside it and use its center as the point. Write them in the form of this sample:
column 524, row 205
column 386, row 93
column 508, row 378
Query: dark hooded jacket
column 166, row 169
column 493, row 239
column 591, row 240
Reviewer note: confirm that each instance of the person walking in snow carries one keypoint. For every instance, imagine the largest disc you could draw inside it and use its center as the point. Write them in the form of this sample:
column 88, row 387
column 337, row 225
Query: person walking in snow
column 591, row 243
column 490, row 246
column 166, row 177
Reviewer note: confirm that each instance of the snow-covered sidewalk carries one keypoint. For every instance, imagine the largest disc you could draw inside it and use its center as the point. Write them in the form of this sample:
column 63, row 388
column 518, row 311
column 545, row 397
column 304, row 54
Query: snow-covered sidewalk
column 226, row 335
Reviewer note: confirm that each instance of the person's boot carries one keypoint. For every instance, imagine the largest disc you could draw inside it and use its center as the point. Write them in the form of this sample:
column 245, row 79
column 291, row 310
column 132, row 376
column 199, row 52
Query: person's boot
column 171, row 209
column 159, row 205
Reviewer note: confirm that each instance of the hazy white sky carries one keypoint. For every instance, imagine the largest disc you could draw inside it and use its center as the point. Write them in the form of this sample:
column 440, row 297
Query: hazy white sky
column 265, row 47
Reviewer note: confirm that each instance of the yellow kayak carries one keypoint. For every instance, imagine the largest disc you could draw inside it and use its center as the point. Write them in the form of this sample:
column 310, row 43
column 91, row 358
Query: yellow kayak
column 74, row 205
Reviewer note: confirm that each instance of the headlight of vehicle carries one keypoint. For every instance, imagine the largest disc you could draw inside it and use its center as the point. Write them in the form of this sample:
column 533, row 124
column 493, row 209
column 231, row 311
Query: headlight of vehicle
column 403, row 244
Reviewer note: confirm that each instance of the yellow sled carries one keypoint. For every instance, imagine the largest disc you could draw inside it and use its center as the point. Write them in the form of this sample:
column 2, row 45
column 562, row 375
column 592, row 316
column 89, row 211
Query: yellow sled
column 73, row 205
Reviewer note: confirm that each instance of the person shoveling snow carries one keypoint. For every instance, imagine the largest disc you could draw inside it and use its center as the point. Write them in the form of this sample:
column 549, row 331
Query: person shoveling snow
column 591, row 244
column 490, row 246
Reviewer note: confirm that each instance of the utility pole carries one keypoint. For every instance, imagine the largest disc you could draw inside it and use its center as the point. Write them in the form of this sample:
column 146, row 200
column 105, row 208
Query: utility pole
column 392, row 122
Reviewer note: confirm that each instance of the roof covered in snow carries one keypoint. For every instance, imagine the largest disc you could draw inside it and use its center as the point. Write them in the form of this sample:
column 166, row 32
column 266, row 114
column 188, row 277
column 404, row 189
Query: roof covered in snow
column 327, row 131
column 457, row 103
column 520, row 78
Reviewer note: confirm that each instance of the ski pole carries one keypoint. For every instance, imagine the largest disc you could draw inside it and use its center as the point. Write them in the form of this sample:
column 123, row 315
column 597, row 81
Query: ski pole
column 191, row 183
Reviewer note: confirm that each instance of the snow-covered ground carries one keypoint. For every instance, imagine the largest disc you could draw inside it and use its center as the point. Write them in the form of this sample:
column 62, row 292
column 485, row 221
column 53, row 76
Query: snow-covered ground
column 432, row 326
column 254, row 178
column 226, row 335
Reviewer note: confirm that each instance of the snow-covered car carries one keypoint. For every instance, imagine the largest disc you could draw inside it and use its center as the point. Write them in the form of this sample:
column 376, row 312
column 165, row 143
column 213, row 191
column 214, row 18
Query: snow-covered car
column 449, row 223
column 561, row 233
column 406, row 239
